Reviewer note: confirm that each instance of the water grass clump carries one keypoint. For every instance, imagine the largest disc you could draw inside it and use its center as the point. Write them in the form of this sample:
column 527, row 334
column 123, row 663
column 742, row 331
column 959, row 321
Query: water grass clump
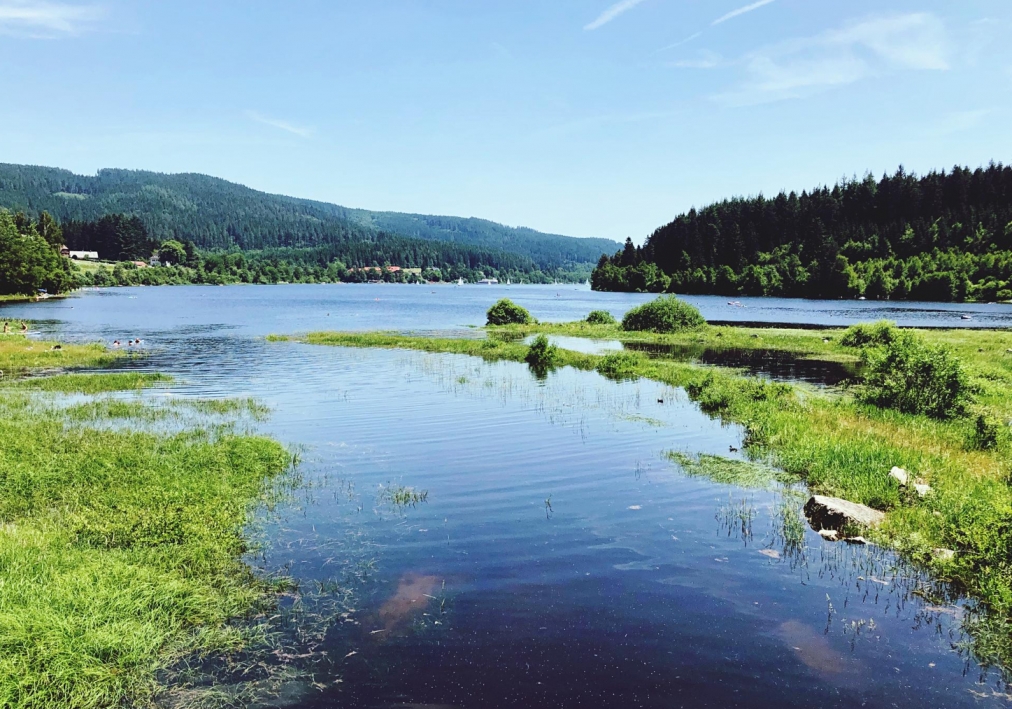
column 619, row 365
column 403, row 496
column 600, row 317
column 542, row 354
column 665, row 314
column 506, row 312
column 729, row 471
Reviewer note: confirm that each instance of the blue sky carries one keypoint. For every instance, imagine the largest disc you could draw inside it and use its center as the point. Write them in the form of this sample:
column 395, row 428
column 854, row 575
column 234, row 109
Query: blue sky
column 583, row 117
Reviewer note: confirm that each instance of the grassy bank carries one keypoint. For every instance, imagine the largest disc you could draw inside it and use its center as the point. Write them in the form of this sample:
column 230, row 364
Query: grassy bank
column 839, row 445
column 120, row 550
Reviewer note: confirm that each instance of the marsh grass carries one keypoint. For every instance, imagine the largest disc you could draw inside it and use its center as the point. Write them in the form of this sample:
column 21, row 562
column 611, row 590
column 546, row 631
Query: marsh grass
column 97, row 383
column 19, row 355
column 402, row 496
column 729, row 471
column 121, row 550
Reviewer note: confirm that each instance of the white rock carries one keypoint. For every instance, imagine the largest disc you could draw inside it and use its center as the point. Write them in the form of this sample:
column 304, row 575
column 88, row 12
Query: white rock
column 834, row 513
column 900, row 475
column 922, row 489
column 830, row 535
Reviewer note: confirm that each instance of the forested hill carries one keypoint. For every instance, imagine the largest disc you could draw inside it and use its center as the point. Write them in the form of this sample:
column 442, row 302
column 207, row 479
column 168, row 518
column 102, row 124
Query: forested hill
column 942, row 236
column 217, row 214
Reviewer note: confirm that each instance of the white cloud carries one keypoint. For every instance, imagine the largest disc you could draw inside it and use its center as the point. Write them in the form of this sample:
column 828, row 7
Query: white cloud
column 741, row 11
column 706, row 60
column 958, row 122
column 611, row 13
column 300, row 131
column 916, row 41
column 45, row 20
column 688, row 39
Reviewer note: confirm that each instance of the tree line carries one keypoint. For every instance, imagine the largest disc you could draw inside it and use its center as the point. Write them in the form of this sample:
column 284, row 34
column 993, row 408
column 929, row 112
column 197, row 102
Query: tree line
column 218, row 215
column 944, row 236
column 30, row 259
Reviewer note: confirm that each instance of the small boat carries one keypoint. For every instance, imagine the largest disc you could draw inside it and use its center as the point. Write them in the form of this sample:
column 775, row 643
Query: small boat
column 966, row 317
column 460, row 281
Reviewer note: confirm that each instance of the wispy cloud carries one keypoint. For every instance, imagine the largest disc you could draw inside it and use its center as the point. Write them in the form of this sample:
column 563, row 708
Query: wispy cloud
column 611, row 13
column 916, row 41
column 300, row 131
column 958, row 122
column 46, row 20
column 688, row 39
column 741, row 11
column 706, row 60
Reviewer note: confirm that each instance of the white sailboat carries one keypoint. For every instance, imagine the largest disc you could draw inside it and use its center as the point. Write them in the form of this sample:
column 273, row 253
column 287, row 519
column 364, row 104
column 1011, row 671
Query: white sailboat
column 460, row 281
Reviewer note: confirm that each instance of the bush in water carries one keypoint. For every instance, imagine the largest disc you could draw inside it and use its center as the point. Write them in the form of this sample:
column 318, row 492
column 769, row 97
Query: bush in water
column 506, row 312
column 665, row 314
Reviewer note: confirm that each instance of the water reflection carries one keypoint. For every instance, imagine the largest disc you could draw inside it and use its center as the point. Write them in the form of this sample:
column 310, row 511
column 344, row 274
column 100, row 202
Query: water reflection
column 772, row 364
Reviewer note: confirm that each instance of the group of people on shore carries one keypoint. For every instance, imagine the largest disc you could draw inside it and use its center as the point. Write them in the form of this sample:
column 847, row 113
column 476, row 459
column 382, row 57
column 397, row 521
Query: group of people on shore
column 7, row 327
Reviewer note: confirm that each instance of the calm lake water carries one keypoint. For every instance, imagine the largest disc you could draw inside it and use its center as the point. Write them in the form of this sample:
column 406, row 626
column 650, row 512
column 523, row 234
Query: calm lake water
column 560, row 559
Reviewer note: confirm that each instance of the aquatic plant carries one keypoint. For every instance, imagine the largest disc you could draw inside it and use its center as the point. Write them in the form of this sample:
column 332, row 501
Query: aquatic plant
column 542, row 354
column 600, row 317
column 728, row 471
column 403, row 496
column 665, row 314
column 619, row 365
column 506, row 312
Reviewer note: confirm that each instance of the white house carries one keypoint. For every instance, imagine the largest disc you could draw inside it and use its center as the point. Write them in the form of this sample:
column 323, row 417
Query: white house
column 84, row 255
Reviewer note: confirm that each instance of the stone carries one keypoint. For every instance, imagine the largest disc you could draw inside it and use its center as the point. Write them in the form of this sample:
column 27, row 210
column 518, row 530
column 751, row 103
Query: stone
column 900, row 475
column 922, row 489
column 830, row 535
column 833, row 513
column 943, row 554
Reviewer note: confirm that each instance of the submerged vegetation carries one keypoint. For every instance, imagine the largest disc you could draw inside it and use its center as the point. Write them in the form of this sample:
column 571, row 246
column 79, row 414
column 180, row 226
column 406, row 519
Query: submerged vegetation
column 120, row 550
column 935, row 403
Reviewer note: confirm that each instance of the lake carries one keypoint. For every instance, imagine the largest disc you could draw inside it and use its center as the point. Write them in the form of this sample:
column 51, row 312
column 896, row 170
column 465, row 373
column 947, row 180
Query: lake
column 559, row 557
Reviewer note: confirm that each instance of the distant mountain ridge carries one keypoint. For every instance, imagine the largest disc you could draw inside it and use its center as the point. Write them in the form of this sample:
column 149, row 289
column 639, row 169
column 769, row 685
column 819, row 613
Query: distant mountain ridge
column 217, row 214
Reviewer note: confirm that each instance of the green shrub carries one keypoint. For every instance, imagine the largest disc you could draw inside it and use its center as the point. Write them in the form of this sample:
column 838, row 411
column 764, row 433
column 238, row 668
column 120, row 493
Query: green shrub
column 984, row 434
column 913, row 377
column 618, row 365
column 880, row 333
column 506, row 312
column 601, row 317
column 665, row 314
column 542, row 354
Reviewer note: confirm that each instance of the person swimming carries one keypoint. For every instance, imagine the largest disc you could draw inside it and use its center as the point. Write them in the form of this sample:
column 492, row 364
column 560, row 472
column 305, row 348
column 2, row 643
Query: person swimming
column 24, row 327
column 115, row 343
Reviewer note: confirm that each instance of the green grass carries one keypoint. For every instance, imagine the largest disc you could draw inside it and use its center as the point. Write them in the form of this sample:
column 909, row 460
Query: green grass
column 91, row 383
column 838, row 445
column 120, row 550
column 19, row 355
